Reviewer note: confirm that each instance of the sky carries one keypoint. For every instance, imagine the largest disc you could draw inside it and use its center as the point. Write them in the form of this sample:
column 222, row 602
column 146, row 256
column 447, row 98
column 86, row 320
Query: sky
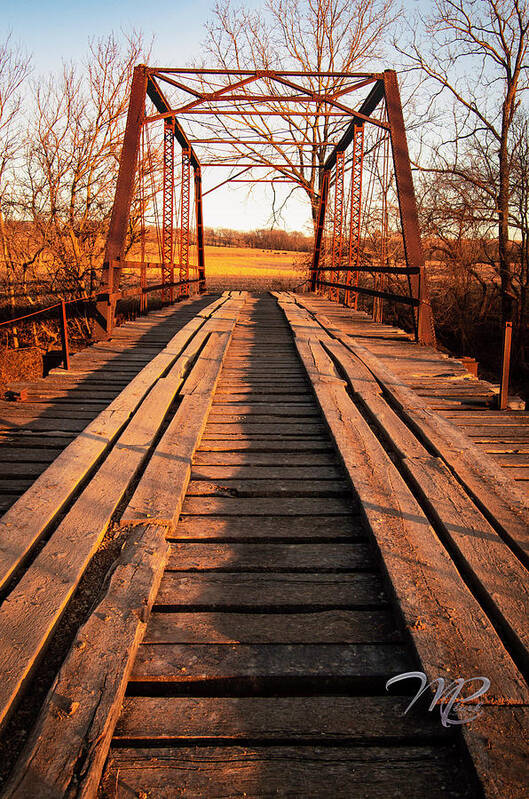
column 54, row 31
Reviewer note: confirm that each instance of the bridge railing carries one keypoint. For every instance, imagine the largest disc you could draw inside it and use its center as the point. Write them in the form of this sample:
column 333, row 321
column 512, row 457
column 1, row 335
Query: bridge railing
column 73, row 308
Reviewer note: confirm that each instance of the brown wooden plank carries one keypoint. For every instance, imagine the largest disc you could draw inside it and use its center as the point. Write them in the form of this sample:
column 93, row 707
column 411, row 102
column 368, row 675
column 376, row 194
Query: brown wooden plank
column 262, row 527
column 278, row 487
column 267, row 506
column 259, row 458
column 317, row 474
column 320, row 444
column 26, row 623
column 414, row 772
column 266, row 663
column 422, row 574
column 360, row 719
column 250, row 428
column 225, row 627
column 233, row 590
column 23, row 525
column 269, row 557
column 71, row 738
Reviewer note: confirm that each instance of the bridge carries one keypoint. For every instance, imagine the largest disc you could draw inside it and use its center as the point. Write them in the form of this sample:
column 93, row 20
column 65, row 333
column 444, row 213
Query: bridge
column 230, row 522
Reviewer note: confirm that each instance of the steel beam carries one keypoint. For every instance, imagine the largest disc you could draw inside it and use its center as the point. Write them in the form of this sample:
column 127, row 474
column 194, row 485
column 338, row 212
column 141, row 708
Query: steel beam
column 319, row 229
column 168, row 211
column 337, row 224
column 200, row 230
column 356, row 211
column 184, row 220
column 368, row 106
column 408, row 208
column 117, row 231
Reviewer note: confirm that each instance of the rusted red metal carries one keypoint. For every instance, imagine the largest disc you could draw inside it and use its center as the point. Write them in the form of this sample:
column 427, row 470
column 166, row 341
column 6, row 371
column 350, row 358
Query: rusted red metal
column 231, row 88
column 356, row 212
column 319, row 230
column 110, row 276
column 506, row 366
column 168, row 210
column 409, row 217
column 337, row 228
column 185, row 233
column 200, row 230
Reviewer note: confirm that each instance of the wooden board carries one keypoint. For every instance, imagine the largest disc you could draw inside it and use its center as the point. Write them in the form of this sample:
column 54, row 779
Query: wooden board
column 414, row 772
column 268, row 663
column 360, row 719
column 310, row 627
column 209, row 590
column 69, row 744
column 251, row 528
column 269, row 557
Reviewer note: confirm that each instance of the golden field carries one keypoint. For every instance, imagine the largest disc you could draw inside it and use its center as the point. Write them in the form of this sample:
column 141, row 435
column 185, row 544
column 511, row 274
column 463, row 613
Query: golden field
column 249, row 268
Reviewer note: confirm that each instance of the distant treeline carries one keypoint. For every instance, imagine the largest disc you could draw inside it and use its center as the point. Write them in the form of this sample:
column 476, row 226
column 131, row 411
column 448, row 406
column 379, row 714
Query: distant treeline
column 259, row 239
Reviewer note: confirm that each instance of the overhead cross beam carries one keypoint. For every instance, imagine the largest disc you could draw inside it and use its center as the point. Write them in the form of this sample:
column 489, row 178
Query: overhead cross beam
column 298, row 100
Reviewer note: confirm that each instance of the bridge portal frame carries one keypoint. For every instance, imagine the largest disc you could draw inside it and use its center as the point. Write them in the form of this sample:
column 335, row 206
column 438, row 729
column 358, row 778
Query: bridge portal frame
column 384, row 86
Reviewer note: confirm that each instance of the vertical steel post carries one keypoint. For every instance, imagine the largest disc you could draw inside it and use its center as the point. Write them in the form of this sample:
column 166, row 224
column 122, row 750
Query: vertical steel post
column 167, row 214
column 184, row 223
column 337, row 227
column 117, row 231
column 319, row 230
column 200, row 230
column 143, row 285
column 356, row 211
column 506, row 366
column 63, row 324
column 408, row 208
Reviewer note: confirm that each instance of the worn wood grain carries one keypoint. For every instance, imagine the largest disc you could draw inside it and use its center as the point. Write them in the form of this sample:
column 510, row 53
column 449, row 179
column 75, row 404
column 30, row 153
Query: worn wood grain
column 233, row 590
column 66, row 751
column 267, row 557
column 414, row 772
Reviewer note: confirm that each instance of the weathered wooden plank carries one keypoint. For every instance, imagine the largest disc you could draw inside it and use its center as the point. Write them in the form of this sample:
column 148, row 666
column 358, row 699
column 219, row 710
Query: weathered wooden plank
column 266, row 663
column 161, row 490
column 225, row 627
column 268, row 458
column 34, row 607
column 267, row 506
column 251, row 428
column 248, row 444
column 317, row 474
column 27, row 520
column 259, row 527
column 67, row 748
column 484, row 479
column 436, row 604
column 277, row 487
column 361, row 719
column 211, row 590
column 269, row 557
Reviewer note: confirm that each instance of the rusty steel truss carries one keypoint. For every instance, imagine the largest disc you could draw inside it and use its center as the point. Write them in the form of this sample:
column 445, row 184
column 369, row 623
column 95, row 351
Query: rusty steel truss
column 191, row 97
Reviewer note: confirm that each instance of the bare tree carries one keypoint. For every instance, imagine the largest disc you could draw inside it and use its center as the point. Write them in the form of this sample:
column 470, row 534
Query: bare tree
column 72, row 158
column 476, row 55
column 14, row 70
column 302, row 35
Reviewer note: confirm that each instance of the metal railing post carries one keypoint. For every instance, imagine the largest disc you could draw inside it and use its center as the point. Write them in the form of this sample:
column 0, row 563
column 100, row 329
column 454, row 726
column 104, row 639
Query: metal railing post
column 63, row 324
column 506, row 366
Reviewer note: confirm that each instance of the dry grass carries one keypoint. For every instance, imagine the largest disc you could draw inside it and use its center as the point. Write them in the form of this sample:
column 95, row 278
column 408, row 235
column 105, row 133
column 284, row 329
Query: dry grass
column 250, row 269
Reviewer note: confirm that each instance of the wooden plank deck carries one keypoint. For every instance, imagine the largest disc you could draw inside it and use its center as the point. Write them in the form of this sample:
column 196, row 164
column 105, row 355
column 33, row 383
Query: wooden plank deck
column 59, row 406
column 444, row 383
column 297, row 535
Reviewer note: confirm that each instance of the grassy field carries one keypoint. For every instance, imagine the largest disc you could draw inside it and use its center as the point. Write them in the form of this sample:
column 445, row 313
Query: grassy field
column 250, row 269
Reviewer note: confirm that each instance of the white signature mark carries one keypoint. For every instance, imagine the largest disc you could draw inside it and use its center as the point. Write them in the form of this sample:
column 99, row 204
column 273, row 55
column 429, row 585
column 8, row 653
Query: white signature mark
column 446, row 695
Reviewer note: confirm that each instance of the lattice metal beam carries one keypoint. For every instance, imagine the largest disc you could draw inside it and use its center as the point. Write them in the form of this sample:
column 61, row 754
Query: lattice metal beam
column 168, row 211
column 337, row 224
column 356, row 211
column 185, row 198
